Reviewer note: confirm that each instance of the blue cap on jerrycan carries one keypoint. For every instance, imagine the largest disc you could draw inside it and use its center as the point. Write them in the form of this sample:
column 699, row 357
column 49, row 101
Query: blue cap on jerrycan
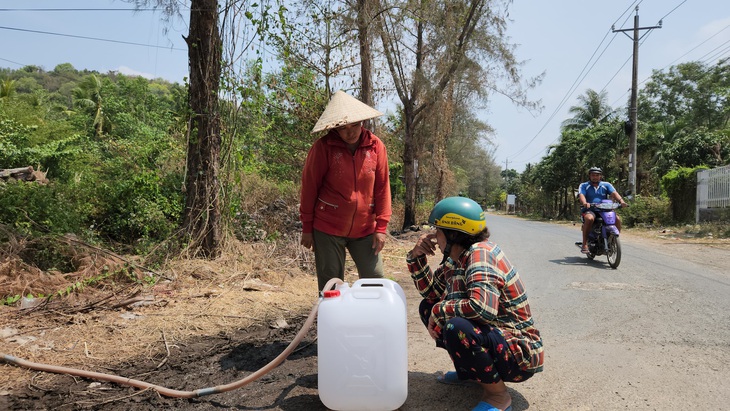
column 362, row 347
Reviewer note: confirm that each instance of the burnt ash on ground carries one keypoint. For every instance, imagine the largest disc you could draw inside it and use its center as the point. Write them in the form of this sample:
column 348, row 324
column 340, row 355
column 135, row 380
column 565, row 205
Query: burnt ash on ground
column 197, row 363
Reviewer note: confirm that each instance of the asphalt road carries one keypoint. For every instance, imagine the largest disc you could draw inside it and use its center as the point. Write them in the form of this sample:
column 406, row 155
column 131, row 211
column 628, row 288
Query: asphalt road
column 653, row 334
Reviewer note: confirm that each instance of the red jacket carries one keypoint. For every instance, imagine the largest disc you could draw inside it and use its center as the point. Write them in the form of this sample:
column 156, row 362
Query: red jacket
column 343, row 194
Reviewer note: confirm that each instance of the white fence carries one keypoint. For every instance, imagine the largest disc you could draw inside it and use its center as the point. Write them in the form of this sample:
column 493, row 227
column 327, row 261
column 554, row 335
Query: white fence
column 713, row 190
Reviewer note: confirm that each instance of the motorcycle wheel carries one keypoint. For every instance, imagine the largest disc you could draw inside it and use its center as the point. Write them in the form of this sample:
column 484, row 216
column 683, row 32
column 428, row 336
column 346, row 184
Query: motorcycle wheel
column 614, row 251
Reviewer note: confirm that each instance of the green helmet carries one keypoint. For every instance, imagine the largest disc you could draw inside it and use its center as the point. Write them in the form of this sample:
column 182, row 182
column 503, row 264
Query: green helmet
column 460, row 214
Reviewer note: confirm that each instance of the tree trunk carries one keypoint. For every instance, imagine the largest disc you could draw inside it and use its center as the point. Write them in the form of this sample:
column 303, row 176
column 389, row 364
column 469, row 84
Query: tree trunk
column 443, row 127
column 202, row 217
column 410, row 172
column 364, row 19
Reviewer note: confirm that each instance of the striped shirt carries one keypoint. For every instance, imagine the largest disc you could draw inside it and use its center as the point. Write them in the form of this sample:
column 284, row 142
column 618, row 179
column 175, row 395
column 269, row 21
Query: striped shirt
column 483, row 287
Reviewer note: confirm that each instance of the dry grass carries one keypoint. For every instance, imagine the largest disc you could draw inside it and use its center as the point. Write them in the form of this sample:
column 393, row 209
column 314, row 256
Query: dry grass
column 249, row 285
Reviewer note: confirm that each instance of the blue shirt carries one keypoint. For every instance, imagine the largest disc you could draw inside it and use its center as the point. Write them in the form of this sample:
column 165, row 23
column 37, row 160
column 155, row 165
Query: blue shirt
column 596, row 194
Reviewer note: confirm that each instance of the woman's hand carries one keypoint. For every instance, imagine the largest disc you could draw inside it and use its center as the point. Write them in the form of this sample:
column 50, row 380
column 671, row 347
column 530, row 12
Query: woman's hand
column 433, row 329
column 425, row 245
column 378, row 242
column 307, row 241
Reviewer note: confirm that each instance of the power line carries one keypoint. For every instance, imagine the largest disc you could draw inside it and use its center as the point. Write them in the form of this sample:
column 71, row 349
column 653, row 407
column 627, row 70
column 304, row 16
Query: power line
column 672, row 11
column 565, row 98
column 571, row 90
column 90, row 38
column 11, row 61
column 706, row 59
column 683, row 55
column 634, row 95
column 47, row 10
column 697, row 46
column 579, row 79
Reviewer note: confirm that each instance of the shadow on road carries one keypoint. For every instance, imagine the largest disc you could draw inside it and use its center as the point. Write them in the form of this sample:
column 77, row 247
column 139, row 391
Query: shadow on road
column 598, row 262
column 425, row 393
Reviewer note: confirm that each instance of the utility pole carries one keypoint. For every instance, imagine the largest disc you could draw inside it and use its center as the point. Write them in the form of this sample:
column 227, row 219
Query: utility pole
column 506, row 178
column 633, row 159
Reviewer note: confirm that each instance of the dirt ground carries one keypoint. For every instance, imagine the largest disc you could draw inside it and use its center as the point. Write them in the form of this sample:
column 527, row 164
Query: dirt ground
column 202, row 325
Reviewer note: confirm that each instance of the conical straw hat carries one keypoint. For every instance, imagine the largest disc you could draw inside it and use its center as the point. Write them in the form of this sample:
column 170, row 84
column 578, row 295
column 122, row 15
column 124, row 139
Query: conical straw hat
column 344, row 109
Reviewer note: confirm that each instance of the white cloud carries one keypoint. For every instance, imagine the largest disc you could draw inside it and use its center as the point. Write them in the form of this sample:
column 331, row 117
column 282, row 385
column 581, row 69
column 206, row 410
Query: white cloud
column 131, row 72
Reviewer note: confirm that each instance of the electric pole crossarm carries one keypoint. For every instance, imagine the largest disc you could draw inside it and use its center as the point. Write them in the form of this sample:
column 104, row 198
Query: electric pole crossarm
column 638, row 28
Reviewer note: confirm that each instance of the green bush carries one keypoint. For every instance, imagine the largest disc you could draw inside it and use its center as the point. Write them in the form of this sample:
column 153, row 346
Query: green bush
column 138, row 209
column 646, row 212
column 680, row 185
column 257, row 208
column 47, row 253
column 31, row 208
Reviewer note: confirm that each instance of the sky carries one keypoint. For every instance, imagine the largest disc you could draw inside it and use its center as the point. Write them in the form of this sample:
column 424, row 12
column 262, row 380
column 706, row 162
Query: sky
column 573, row 44
column 571, row 41
column 119, row 39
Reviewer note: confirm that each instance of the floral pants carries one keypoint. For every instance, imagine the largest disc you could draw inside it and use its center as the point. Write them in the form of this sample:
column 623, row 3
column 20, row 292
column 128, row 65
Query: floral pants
column 479, row 352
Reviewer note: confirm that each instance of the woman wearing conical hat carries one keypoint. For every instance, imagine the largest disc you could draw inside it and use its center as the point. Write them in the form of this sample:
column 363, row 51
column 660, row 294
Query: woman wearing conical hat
column 345, row 197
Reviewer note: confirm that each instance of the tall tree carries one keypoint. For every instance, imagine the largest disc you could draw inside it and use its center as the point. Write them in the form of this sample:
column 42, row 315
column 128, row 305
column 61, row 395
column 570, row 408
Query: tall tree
column 686, row 110
column 88, row 94
column 689, row 95
column 202, row 215
column 319, row 36
column 593, row 108
column 444, row 128
column 7, row 88
column 365, row 20
column 427, row 46
column 470, row 153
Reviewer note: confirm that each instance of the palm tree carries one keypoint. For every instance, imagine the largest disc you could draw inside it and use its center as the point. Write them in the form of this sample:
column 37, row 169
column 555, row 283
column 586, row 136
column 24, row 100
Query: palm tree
column 7, row 88
column 592, row 109
column 88, row 95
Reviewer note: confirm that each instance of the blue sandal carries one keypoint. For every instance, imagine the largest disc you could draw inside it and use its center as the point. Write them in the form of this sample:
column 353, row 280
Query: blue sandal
column 452, row 378
column 485, row 406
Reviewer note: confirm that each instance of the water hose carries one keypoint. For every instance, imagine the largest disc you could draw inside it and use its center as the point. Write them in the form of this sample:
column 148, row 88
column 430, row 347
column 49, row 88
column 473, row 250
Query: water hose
column 177, row 393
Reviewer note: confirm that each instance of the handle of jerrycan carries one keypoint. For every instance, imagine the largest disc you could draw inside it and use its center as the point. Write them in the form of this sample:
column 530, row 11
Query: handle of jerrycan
column 386, row 284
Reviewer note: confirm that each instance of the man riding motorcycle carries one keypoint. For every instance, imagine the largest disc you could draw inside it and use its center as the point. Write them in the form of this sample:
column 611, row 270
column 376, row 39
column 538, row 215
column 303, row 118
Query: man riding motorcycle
column 593, row 191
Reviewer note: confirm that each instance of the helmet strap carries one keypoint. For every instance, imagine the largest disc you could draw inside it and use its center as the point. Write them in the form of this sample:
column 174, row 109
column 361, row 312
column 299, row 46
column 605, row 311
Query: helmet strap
column 447, row 250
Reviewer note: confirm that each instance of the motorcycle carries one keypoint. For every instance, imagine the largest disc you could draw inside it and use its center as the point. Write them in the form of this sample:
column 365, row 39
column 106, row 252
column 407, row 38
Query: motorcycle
column 603, row 238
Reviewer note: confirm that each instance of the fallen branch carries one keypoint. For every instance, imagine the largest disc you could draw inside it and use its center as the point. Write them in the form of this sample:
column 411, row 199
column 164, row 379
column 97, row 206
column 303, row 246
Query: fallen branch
column 23, row 174
column 167, row 348
column 130, row 301
column 86, row 351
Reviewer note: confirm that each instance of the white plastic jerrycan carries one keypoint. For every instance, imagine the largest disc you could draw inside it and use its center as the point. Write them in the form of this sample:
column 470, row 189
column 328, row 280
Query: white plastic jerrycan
column 362, row 346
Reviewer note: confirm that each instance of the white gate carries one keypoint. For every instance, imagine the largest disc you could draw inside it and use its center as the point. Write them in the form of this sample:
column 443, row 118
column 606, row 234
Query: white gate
column 713, row 190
